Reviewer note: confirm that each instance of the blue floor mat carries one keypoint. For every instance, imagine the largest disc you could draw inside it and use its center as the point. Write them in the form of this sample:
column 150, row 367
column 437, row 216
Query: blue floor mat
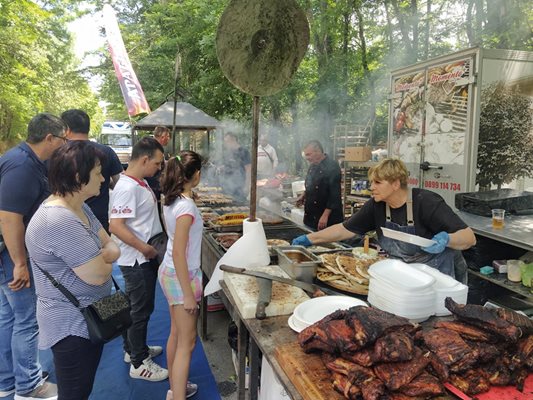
column 112, row 378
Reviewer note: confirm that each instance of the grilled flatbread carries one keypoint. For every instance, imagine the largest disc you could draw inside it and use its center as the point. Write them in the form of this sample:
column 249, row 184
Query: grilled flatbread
column 347, row 266
column 277, row 242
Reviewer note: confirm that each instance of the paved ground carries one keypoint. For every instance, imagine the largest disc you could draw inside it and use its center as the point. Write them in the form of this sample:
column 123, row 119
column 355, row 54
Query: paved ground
column 218, row 354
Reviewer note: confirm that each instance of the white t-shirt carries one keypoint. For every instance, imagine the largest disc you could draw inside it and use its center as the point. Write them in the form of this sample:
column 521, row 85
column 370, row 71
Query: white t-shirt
column 180, row 207
column 267, row 161
column 134, row 200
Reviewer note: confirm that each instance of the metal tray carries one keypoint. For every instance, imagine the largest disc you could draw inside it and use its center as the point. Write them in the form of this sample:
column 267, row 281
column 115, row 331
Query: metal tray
column 328, row 248
column 225, row 228
column 215, row 237
column 303, row 270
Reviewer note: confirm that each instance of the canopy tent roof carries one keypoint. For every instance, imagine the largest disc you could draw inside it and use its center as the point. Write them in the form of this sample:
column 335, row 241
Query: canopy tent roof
column 187, row 116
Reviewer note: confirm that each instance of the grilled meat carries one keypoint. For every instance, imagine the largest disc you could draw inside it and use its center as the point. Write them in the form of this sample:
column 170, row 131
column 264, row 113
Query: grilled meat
column 423, row 385
column 438, row 368
column 496, row 372
column 395, row 375
column 341, row 336
column 523, row 355
column 396, row 346
column 369, row 323
column 450, row 348
column 342, row 384
column 485, row 318
column 471, row 382
column 371, row 387
column 516, row 319
column 518, row 378
column 486, row 351
column 364, row 357
column 315, row 337
column 466, row 331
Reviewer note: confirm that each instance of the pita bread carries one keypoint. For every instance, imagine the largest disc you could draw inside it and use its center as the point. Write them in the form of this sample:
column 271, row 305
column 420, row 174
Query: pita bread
column 347, row 266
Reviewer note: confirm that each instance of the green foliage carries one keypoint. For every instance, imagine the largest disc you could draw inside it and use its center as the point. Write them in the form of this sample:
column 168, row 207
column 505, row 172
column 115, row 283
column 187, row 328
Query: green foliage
column 505, row 139
column 37, row 66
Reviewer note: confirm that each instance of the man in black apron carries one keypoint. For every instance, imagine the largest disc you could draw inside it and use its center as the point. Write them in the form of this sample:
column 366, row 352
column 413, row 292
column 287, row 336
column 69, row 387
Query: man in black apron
column 414, row 211
column 322, row 196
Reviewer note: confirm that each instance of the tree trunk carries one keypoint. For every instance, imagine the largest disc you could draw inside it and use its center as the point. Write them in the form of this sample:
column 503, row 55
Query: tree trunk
column 414, row 24
column 389, row 28
column 469, row 28
column 426, row 36
column 404, row 31
column 364, row 61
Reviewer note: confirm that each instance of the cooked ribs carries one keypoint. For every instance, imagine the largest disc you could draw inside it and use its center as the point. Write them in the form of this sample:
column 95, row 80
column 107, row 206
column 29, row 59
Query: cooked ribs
column 315, row 337
column 516, row 319
column 471, row 382
column 369, row 323
column 523, row 355
column 364, row 357
column 341, row 336
column 342, row 385
column 496, row 373
column 438, row 368
column 395, row 346
column 485, row 318
column 450, row 348
column 486, row 351
column 398, row 374
column 371, row 387
column 425, row 385
column 466, row 331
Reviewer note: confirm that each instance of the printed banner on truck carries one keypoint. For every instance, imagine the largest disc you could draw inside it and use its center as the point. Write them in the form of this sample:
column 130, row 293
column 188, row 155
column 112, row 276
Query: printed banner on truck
column 129, row 84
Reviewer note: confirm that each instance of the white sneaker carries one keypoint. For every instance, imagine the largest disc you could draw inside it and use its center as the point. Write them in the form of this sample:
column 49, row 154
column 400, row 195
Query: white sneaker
column 153, row 351
column 149, row 371
column 191, row 389
column 5, row 393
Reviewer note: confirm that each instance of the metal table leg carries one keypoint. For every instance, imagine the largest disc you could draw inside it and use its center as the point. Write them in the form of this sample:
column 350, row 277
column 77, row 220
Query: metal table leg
column 242, row 353
column 254, row 369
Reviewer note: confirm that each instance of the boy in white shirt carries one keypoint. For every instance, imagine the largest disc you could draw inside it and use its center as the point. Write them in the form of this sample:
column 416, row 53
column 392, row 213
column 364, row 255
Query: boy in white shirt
column 134, row 220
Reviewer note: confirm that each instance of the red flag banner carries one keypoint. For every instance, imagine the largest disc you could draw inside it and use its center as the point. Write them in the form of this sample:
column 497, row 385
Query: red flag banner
column 129, row 84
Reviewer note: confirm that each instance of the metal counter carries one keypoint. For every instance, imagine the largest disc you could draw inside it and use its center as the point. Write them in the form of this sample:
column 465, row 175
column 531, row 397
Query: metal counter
column 517, row 231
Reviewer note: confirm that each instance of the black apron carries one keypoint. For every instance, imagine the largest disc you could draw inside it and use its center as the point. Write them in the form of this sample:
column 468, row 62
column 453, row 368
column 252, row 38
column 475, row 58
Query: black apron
column 449, row 262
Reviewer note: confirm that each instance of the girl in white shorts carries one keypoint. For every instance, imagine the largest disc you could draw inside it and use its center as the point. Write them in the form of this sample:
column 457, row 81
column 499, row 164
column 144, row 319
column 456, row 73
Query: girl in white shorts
column 179, row 275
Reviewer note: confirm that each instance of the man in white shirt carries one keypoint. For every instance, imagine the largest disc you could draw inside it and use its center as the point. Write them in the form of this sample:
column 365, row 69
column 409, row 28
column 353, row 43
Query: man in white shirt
column 134, row 220
column 267, row 159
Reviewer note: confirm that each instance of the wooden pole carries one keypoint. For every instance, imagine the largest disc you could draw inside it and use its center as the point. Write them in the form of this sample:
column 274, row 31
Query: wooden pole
column 253, row 174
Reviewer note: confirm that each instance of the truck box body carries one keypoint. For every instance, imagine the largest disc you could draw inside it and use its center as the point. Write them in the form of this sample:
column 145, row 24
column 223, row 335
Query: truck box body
column 434, row 114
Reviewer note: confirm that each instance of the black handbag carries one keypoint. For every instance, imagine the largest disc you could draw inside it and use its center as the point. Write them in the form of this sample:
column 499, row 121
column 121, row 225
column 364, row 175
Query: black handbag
column 159, row 242
column 106, row 318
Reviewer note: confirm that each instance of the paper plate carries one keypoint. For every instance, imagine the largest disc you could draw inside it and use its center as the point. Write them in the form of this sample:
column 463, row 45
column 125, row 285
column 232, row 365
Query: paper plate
column 314, row 310
column 407, row 237
column 295, row 326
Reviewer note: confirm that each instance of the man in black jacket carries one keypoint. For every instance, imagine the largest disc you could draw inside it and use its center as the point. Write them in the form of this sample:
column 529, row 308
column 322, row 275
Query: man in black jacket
column 322, row 196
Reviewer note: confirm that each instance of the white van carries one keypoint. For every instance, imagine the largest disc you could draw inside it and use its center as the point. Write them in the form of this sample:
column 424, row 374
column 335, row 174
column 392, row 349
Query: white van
column 118, row 136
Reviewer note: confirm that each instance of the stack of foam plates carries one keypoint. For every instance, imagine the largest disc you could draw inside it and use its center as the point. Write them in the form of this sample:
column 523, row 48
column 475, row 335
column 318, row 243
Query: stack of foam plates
column 313, row 310
column 444, row 286
column 401, row 289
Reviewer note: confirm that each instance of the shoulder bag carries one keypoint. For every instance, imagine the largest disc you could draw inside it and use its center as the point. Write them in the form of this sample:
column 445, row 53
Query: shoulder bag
column 106, row 318
column 159, row 242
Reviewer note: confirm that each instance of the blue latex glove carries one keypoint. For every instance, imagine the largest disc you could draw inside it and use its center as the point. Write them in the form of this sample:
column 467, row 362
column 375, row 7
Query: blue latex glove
column 301, row 241
column 441, row 239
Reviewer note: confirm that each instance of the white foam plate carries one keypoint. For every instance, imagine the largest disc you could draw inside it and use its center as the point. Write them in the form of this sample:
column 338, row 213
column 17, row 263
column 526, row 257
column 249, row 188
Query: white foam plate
column 401, row 275
column 314, row 310
column 295, row 326
column 407, row 237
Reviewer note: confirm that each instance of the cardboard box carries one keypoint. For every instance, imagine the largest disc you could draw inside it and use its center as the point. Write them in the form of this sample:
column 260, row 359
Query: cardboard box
column 358, row 153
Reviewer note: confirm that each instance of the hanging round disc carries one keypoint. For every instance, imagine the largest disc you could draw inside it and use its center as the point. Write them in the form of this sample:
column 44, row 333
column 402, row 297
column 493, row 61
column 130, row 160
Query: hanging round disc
column 260, row 44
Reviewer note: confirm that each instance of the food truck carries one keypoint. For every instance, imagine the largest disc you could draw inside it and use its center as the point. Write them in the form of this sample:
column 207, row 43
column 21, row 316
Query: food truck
column 435, row 109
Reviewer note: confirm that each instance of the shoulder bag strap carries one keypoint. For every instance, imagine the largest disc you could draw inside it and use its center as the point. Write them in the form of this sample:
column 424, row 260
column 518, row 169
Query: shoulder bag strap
column 67, row 292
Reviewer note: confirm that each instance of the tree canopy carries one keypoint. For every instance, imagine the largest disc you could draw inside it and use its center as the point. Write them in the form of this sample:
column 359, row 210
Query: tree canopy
column 344, row 77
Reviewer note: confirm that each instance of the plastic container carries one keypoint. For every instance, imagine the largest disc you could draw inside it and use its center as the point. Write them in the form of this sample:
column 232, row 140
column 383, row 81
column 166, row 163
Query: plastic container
column 514, row 270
